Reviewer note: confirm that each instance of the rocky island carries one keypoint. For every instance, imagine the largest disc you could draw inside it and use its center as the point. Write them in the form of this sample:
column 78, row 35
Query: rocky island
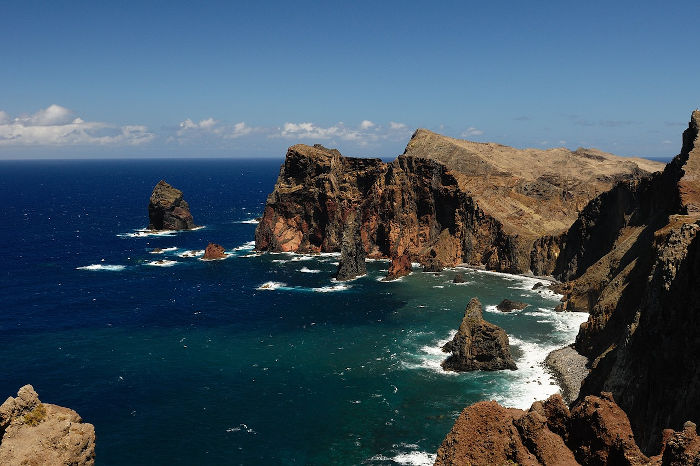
column 478, row 344
column 167, row 210
column 33, row 432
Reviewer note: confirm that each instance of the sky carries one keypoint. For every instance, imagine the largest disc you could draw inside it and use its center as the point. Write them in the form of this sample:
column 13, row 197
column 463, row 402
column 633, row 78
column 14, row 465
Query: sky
column 249, row 79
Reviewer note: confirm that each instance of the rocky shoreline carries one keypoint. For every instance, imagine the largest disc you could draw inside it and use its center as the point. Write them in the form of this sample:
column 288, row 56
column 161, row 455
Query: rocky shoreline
column 569, row 370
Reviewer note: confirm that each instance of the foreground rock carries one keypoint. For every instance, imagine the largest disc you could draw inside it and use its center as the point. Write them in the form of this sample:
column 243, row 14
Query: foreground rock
column 459, row 278
column 167, row 210
column 400, row 266
column 507, row 305
column 40, row 433
column 214, row 251
column 443, row 202
column 478, row 345
column 595, row 431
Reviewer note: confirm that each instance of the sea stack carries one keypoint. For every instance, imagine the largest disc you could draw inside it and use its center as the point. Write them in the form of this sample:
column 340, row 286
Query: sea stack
column 167, row 210
column 478, row 345
column 352, row 253
column 40, row 433
column 400, row 266
column 213, row 252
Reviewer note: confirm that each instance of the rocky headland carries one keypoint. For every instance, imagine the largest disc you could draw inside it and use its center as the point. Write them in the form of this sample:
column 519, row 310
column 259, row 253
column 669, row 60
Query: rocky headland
column 36, row 433
column 478, row 344
column 443, row 202
column 167, row 210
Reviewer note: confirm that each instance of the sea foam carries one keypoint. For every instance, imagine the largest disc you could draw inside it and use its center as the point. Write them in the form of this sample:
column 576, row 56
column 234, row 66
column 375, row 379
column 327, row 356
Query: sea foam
column 102, row 267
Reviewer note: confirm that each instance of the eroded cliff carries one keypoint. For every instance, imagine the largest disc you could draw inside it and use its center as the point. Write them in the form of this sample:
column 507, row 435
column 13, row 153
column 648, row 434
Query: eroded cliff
column 441, row 203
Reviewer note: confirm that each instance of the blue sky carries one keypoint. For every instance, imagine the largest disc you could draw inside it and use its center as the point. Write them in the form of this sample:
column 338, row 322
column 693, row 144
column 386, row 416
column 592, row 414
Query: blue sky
column 248, row 79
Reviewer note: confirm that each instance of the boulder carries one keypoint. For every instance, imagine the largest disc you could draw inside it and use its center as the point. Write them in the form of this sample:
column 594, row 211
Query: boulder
column 167, row 210
column 214, row 251
column 459, row 278
column 507, row 305
column 40, row 433
column 478, row 345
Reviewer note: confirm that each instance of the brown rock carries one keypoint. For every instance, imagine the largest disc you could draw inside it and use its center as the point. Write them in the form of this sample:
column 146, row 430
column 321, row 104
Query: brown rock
column 214, row 251
column 680, row 448
column 167, row 210
column 41, row 433
column 400, row 266
column 507, row 305
column 459, row 278
column 478, row 345
column 352, row 253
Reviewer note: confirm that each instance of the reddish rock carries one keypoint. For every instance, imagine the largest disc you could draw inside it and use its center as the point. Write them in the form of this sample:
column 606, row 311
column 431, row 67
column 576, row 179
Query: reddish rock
column 478, row 345
column 214, row 251
column 400, row 266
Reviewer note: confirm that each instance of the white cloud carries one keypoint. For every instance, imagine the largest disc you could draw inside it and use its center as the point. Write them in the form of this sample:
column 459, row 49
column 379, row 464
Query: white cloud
column 211, row 127
column 365, row 133
column 56, row 125
column 472, row 131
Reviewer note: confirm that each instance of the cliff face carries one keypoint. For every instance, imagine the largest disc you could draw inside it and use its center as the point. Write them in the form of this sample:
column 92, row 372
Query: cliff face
column 33, row 432
column 443, row 202
column 633, row 262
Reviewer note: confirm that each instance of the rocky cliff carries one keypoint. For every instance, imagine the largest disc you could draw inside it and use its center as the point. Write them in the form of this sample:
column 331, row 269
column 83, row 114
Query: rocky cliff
column 36, row 433
column 443, row 202
column 167, row 210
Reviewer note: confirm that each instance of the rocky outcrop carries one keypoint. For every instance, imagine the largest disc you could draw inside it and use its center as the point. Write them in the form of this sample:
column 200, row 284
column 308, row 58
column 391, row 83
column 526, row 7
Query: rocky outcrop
column 478, row 345
column 507, row 305
column 40, row 433
column 443, row 202
column 595, row 431
column 458, row 278
column 167, row 210
column 213, row 252
column 400, row 267
column 352, row 253
column 633, row 261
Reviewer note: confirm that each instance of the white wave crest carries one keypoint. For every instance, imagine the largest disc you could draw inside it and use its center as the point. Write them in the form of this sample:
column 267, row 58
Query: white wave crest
column 102, row 267
column 271, row 286
column 330, row 289
column 192, row 253
column 162, row 263
column 307, row 270
column 164, row 250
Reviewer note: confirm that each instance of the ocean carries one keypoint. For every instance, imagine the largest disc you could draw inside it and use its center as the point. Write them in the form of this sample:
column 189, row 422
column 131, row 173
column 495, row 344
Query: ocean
column 255, row 359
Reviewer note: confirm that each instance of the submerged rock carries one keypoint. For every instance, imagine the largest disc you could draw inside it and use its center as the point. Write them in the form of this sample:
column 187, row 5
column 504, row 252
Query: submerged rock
column 214, row 251
column 459, row 278
column 167, row 210
column 40, row 433
column 478, row 345
column 400, row 266
column 507, row 305
column 352, row 253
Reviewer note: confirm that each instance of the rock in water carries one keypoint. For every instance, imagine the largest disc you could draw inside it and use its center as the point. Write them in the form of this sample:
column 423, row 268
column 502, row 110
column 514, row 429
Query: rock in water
column 400, row 266
column 459, row 278
column 167, row 210
column 507, row 305
column 214, row 251
column 40, row 433
column 478, row 345
column 352, row 252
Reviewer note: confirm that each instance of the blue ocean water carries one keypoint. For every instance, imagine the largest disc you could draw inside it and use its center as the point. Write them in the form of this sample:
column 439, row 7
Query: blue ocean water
column 256, row 359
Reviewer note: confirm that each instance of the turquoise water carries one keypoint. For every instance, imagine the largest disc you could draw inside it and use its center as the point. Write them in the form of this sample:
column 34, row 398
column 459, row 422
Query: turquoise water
column 256, row 359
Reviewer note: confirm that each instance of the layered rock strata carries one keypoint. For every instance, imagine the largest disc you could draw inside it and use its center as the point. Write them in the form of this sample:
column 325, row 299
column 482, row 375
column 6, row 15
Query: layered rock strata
column 33, row 432
column 595, row 431
column 443, row 202
column 167, row 210
column 478, row 344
